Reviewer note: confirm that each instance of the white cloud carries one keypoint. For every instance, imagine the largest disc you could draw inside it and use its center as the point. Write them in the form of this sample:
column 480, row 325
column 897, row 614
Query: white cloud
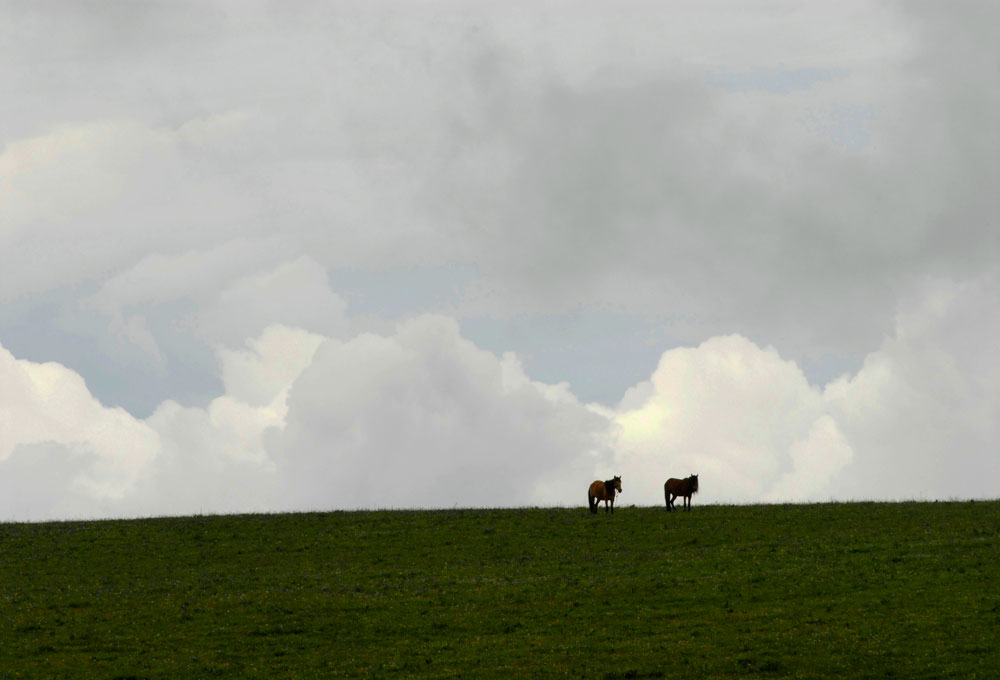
column 211, row 461
column 418, row 418
column 918, row 420
column 49, row 417
column 421, row 417
column 263, row 371
column 741, row 417
column 65, row 455
column 816, row 460
column 43, row 481
column 216, row 459
column 424, row 418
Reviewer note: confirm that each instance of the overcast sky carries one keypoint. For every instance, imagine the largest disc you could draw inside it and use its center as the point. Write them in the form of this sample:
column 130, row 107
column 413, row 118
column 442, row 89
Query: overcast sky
column 263, row 256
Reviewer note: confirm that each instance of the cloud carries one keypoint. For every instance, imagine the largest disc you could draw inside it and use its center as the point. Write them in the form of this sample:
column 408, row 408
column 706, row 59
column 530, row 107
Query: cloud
column 588, row 166
column 744, row 419
column 42, row 481
column 84, row 200
column 417, row 418
column 293, row 293
column 168, row 315
column 917, row 421
column 421, row 417
column 816, row 460
column 922, row 413
column 575, row 161
column 798, row 216
column 65, row 455
column 265, row 369
column 424, row 418
column 215, row 459
column 158, row 278
column 48, row 417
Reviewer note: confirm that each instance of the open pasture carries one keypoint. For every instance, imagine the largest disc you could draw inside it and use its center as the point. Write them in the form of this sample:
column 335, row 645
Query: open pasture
column 909, row 590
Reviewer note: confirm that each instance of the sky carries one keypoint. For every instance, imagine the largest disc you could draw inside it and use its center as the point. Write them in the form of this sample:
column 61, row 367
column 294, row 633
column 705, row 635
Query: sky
column 283, row 256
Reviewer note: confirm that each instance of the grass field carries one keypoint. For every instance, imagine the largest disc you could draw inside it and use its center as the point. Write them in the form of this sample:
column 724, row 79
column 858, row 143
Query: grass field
column 862, row 590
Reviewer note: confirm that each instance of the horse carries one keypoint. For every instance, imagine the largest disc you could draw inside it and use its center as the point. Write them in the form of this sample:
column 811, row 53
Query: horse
column 603, row 491
column 680, row 487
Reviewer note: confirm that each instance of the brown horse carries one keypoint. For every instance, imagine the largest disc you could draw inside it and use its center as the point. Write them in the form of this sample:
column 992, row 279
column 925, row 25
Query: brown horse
column 604, row 491
column 680, row 487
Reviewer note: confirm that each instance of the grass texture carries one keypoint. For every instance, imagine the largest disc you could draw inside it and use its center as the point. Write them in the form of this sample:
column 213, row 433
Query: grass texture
column 866, row 590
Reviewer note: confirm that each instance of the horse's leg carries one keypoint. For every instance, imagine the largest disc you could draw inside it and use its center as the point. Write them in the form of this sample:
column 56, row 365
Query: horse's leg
column 612, row 505
column 670, row 501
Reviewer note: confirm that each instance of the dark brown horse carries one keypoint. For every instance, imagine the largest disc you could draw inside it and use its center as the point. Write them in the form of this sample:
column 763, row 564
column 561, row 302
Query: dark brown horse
column 604, row 491
column 680, row 487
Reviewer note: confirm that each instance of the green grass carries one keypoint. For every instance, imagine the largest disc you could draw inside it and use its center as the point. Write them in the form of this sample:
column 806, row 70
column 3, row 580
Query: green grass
column 862, row 590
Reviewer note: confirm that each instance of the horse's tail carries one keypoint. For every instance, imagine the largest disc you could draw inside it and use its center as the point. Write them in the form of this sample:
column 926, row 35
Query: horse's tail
column 666, row 494
column 592, row 502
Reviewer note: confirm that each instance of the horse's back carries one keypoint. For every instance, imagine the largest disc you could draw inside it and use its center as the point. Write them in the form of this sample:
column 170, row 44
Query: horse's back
column 678, row 487
column 597, row 489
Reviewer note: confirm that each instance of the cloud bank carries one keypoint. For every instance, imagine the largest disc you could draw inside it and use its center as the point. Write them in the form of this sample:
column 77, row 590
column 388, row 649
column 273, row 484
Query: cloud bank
column 421, row 417
column 423, row 255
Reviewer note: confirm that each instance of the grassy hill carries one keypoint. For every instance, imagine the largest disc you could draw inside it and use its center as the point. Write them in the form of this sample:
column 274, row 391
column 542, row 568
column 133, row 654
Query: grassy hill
column 863, row 590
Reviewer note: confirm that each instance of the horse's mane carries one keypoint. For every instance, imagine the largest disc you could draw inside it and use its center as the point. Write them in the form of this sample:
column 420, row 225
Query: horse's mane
column 609, row 486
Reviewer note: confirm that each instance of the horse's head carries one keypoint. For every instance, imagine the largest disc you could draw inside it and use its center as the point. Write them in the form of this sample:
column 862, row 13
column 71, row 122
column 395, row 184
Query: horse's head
column 617, row 483
column 694, row 482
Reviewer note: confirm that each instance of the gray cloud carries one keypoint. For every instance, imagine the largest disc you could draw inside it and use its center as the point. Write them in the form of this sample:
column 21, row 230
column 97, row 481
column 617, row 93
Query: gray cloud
column 424, row 418
column 176, row 178
column 922, row 412
column 670, row 197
